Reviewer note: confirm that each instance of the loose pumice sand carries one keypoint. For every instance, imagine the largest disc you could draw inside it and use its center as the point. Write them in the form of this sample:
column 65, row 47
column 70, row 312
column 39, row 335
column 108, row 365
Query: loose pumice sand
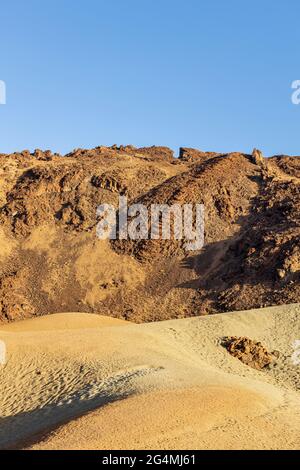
column 83, row 381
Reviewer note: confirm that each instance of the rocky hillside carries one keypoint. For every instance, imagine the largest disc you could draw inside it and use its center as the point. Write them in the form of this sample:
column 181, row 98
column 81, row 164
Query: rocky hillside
column 52, row 261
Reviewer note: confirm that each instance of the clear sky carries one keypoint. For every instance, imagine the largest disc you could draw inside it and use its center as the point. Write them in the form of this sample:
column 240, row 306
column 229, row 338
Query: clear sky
column 210, row 74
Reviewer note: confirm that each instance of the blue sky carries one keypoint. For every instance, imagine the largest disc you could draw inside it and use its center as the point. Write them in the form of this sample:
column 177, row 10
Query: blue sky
column 209, row 74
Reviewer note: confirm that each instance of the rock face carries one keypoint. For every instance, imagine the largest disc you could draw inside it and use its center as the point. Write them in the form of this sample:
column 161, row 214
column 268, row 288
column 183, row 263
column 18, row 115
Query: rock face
column 249, row 352
column 52, row 261
column 193, row 155
column 257, row 157
column 223, row 185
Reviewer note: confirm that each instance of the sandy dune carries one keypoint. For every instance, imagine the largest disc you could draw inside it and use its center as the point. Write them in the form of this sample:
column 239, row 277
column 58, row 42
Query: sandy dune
column 79, row 381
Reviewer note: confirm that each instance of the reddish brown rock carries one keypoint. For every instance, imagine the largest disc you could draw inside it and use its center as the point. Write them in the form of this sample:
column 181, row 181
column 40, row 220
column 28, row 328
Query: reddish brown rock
column 249, row 352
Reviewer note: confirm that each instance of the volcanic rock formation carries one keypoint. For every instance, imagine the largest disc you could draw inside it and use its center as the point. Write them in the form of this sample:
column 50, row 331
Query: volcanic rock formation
column 52, row 261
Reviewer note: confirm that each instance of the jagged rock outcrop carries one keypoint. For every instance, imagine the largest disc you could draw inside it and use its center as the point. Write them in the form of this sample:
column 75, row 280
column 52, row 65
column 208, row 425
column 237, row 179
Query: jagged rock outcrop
column 194, row 155
column 249, row 352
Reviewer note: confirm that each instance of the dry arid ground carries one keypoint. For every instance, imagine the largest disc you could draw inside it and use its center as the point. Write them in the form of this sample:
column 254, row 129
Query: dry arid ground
column 82, row 381
column 143, row 363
